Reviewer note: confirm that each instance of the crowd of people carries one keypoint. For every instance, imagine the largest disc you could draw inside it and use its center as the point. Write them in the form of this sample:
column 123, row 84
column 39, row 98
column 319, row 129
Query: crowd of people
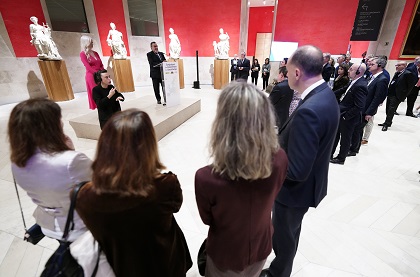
column 253, row 195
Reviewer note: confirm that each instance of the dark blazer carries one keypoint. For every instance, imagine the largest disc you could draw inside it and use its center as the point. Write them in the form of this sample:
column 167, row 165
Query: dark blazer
column 154, row 60
column 244, row 73
column 402, row 85
column 413, row 69
column 308, row 137
column 327, row 71
column 239, row 214
column 281, row 96
column 139, row 235
column 340, row 83
column 353, row 102
column 106, row 106
column 377, row 91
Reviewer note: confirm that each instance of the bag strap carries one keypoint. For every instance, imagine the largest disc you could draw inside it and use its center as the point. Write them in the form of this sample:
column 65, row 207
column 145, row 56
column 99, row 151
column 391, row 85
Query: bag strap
column 20, row 204
column 69, row 220
column 95, row 270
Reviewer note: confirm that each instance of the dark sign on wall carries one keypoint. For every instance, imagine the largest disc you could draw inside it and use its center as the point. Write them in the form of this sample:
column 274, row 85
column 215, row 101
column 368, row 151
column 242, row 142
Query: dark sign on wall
column 368, row 20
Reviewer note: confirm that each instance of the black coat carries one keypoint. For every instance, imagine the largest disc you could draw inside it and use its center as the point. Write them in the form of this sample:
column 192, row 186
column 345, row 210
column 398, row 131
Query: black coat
column 244, row 73
column 152, row 57
column 281, row 96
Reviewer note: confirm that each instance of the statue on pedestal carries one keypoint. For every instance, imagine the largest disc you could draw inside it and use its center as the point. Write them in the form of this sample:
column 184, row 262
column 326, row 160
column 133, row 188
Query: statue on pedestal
column 223, row 45
column 174, row 45
column 42, row 40
column 114, row 40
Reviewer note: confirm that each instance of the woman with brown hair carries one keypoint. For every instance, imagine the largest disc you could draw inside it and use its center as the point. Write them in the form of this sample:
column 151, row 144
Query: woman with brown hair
column 45, row 164
column 129, row 204
column 235, row 194
column 342, row 79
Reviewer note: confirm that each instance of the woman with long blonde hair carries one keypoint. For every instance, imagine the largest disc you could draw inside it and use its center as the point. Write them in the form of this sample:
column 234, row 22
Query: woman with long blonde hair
column 236, row 192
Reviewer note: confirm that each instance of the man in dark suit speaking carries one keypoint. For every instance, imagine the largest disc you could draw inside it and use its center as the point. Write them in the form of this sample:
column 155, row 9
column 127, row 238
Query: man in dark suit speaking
column 155, row 58
column 243, row 67
column 307, row 137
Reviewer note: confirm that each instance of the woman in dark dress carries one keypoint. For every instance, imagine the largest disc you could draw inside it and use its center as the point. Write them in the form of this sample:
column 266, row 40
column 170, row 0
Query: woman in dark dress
column 129, row 204
column 342, row 79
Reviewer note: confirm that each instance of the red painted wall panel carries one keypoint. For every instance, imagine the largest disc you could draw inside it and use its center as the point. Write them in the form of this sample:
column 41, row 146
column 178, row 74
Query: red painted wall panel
column 107, row 11
column 358, row 47
column 326, row 24
column 260, row 21
column 197, row 24
column 16, row 16
column 402, row 30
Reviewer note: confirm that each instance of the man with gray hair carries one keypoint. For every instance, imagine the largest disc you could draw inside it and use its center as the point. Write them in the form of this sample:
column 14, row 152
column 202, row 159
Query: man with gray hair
column 327, row 69
column 414, row 68
column 307, row 137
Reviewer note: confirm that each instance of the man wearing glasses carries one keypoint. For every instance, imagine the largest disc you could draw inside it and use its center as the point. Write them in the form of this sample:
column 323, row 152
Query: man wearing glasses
column 400, row 86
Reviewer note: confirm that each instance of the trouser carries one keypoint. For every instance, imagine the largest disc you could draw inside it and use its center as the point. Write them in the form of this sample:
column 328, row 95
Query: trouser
column 265, row 80
column 287, row 223
column 254, row 80
column 344, row 135
column 411, row 99
column 156, row 82
column 368, row 129
column 234, row 75
column 392, row 104
column 357, row 136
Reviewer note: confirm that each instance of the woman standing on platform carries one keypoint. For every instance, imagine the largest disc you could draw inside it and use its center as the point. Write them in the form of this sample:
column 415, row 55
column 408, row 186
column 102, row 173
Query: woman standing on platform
column 93, row 63
column 255, row 69
column 235, row 193
column 266, row 72
column 129, row 206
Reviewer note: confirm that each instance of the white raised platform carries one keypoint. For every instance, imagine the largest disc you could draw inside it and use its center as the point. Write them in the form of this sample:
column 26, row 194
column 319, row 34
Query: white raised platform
column 164, row 119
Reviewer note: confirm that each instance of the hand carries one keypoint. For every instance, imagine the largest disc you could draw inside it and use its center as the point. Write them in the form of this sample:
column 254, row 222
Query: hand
column 119, row 98
column 111, row 93
column 367, row 117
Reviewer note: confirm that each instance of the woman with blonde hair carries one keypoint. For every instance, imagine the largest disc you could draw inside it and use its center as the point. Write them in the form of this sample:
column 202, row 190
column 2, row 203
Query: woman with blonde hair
column 45, row 164
column 92, row 63
column 129, row 204
column 236, row 192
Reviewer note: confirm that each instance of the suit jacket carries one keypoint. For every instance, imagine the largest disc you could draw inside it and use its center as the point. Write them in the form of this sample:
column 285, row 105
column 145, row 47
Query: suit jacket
column 48, row 180
column 413, row 69
column 139, row 235
column 353, row 103
column 308, row 137
column 281, row 96
column 402, row 84
column 239, row 209
column 377, row 91
column 244, row 73
column 327, row 71
column 152, row 57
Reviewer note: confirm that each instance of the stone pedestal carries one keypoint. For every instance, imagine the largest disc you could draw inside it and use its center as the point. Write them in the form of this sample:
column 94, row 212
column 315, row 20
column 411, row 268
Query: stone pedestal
column 180, row 71
column 221, row 73
column 123, row 75
column 56, row 80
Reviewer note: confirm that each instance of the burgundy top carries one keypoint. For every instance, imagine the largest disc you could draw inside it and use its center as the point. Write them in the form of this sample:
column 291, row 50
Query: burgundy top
column 239, row 214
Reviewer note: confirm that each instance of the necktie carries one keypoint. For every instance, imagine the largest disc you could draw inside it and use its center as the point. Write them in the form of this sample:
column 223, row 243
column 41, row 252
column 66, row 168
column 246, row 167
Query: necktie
column 296, row 102
column 158, row 56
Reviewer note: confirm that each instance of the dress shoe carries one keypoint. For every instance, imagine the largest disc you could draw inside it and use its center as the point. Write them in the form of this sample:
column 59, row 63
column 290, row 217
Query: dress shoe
column 364, row 142
column 351, row 154
column 395, row 113
column 159, row 102
column 385, row 128
column 410, row 115
column 337, row 161
column 381, row 124
column 265, row 273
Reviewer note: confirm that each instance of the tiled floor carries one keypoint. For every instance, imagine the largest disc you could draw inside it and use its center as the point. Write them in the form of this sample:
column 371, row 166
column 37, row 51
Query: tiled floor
column 368, row 225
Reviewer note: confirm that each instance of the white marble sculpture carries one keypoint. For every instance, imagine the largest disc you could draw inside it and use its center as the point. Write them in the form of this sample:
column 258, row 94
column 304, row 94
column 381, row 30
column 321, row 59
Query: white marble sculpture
column 223, row 46
column 42, row 40
column 114, row 40
column 216, row 50
column 174, row 45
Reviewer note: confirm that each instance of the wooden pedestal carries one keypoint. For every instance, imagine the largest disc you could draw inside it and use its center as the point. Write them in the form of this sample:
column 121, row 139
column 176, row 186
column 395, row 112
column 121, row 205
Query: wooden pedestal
column 221, row 73
column 180, row 71
column 123, row 75
column 56, row 80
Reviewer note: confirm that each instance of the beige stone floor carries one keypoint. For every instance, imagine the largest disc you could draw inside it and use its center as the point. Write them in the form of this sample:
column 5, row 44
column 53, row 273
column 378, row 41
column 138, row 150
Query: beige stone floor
column 368, row 225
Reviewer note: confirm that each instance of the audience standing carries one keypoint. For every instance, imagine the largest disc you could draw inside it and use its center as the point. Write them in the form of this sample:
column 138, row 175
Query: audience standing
column 255, row 69
column 243, row 67
column 327, row 69
column 414, row 68
column 234, row 68
column 342, row 79
column 266, row 68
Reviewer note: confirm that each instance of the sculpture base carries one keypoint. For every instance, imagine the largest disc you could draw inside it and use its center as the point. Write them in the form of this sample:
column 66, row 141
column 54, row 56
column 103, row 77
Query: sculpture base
column 221, row 73
column 56, row 80
column 123, row 75
column 180, row 71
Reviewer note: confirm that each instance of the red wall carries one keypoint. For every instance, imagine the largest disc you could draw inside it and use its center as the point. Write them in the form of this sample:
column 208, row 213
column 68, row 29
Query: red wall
column 358, row 47
column 402, row 30
column 16, row 16
column 197, row 24
column 260, row 21
column 326, row 24
column 104, row 16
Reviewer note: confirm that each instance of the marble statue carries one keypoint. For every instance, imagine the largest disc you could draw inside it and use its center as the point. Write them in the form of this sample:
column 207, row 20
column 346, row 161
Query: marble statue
column 216, row 50
column 114, row 40
column 42, row 40
column 223, row 45
column 174, row 45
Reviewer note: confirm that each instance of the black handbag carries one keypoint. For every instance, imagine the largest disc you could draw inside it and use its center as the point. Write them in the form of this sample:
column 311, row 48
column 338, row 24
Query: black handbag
column 202, row 258
column 33, row 234
column 62, row 263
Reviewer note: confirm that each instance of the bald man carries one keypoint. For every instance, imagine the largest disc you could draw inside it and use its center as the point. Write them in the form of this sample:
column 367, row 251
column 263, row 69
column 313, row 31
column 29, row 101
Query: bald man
column 352, row 102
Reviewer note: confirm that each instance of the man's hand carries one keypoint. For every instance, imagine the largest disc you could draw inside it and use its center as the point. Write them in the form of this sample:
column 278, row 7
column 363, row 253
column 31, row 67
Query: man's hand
column 111, row 93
